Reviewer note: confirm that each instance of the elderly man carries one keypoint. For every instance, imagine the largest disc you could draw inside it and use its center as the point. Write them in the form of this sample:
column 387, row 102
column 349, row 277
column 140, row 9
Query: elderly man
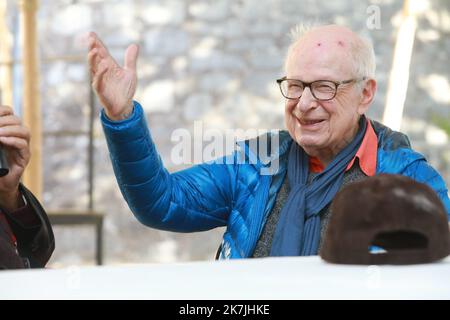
column 329, row 86
column 26, row 236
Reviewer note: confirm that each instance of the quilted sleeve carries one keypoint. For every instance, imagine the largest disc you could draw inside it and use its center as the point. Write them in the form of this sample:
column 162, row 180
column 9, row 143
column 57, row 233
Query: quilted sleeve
column 195, row 199
column 421, row 171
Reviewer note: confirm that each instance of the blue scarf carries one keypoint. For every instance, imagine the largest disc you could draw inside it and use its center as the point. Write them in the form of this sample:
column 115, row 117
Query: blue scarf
column 298, row 229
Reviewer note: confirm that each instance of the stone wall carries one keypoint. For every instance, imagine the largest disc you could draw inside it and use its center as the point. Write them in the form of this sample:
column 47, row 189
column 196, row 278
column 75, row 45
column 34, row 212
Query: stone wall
column 214, row 61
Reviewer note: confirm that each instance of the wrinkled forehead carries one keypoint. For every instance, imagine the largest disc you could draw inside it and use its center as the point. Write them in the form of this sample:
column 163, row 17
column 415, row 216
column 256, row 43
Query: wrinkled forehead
column 321, row 54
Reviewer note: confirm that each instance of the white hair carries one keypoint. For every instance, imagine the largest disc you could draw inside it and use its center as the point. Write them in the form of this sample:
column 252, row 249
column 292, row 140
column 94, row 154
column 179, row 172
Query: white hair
column 361, row 50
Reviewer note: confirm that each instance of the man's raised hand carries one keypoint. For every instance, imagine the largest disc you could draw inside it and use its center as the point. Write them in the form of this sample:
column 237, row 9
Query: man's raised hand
column 114, row 85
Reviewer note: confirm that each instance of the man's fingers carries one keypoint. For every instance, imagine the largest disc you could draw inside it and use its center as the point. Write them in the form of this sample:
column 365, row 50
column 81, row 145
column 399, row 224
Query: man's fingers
column 92, row 40
column 6, row 111
column 9, row 120
column 102, row 68
column 131, row 55
column 16, row 143
column 92, row 57
column 95, row 42
column 17, row 131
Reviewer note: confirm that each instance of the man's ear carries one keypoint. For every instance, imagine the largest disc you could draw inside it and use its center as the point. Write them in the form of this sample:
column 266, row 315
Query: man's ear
column 367, row 95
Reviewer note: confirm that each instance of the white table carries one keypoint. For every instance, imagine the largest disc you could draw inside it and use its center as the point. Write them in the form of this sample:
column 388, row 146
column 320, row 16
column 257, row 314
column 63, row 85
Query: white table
column 269, row 278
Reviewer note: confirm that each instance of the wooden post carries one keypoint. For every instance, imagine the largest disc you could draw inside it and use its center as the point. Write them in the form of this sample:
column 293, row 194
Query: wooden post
column 399, row 76
column 5, row 59
column 31, row 97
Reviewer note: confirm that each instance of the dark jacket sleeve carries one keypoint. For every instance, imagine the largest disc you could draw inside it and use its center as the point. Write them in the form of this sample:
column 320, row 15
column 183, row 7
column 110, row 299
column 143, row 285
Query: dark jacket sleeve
column 35, row 242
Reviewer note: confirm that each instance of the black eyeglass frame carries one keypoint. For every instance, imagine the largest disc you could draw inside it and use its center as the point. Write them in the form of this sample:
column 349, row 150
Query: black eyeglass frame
column 308, row 85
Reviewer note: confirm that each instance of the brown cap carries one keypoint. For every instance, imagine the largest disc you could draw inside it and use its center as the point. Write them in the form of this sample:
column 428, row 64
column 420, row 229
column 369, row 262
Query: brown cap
column 403, row 217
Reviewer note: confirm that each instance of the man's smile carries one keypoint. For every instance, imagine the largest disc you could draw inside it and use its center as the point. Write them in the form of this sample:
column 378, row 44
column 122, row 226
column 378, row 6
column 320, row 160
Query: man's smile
column 311, row 123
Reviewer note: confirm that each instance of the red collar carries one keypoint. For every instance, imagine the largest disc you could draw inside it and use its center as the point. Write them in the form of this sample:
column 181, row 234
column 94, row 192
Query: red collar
column 367, row 155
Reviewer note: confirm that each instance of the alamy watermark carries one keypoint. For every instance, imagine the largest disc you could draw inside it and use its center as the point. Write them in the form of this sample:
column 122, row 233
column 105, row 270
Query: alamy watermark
column 73, row 278
column 232, row 146
column 373, row 280
column 373, row 20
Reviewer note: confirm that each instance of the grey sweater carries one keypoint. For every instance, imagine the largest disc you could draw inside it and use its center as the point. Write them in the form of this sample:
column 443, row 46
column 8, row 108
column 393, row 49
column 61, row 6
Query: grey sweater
column 264, row 243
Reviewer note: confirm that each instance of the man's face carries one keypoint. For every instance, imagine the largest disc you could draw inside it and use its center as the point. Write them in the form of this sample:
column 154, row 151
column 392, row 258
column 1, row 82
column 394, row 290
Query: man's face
column 323, row 128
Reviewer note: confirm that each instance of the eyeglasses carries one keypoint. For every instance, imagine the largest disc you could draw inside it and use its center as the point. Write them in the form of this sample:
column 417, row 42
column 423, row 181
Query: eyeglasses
column 322, row 90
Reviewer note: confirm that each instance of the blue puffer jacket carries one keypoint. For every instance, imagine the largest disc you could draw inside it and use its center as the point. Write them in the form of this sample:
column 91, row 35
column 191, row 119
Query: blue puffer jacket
column 219, row 194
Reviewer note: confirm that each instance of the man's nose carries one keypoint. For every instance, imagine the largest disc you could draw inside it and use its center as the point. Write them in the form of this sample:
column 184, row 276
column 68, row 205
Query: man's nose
column 306, row 101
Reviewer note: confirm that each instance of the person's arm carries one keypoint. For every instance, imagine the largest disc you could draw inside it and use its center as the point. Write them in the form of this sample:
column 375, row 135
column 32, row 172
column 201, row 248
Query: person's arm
column 195, row 199
column 32, row 230
column 34, row 236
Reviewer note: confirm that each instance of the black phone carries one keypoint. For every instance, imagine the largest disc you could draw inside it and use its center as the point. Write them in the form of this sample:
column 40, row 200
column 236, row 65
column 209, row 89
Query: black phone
column 4, row 168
